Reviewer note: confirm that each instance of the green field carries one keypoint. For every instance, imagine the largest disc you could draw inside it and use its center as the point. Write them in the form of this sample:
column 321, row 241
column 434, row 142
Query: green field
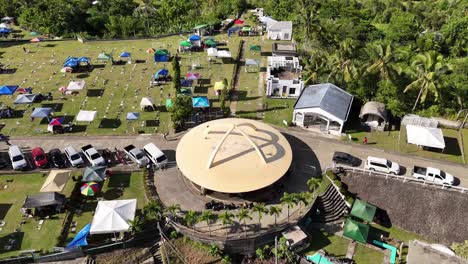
column 12, row 199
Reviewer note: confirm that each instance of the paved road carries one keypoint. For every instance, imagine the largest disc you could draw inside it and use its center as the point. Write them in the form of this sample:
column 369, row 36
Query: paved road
column 316, row 145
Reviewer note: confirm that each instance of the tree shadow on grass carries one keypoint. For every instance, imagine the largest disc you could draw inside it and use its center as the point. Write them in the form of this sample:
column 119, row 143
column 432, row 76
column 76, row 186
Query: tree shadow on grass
column 57, row 107
column 118, row 180
column 451, row 146
column 95, row 92
column 112, row 194
column 11, row 242
column 4, row 207
column 110, row 123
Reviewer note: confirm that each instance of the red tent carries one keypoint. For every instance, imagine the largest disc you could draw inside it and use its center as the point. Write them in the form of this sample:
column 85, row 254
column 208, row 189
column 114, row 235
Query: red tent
column 238, row 22
column 36, row 40
column 56, row 121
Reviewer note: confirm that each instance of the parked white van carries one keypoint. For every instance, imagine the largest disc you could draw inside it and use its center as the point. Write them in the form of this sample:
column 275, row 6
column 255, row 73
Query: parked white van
column 382, row 165
column 18, row 161
column 155, row 155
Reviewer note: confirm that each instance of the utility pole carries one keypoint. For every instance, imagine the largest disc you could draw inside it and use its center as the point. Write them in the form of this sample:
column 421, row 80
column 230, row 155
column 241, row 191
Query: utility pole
column 276, row 250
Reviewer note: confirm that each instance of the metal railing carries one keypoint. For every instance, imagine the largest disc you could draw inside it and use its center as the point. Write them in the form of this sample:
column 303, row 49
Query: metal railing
column 408, row 179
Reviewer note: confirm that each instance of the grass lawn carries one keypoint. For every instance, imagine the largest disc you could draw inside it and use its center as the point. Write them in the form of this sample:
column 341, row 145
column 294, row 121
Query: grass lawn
column 332, row 244
column 365, row 255
column 12, row 200
column 112, row 90
column 279, row 110
column 132, row 188
column 396, row 141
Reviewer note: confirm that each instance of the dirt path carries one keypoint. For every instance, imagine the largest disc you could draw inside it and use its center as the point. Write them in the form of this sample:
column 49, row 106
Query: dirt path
column 234, row 95
column 261, row 83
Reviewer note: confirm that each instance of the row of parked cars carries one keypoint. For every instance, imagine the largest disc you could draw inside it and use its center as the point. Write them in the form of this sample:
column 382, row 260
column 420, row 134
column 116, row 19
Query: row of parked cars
column 386, row 166
column 55, row 158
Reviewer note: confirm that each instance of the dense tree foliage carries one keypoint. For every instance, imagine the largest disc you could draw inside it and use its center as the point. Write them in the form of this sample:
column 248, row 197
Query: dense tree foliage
column 410, row 55
column 117, row 18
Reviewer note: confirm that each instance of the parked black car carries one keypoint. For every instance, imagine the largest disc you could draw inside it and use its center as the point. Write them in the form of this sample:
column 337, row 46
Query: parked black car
column 345, row 158
column 56, row 158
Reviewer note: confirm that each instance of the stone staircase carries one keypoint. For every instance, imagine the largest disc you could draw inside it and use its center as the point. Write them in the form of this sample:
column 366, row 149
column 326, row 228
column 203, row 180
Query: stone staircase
column 156, row 252
column 328, row 207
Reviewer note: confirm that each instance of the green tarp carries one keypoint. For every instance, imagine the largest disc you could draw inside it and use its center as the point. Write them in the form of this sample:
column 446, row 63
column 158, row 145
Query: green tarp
column 246, row 29
column 104, row 56
column 356, row 231
column 363, row 210
column 255, row 48
column 161, row 52
column 200, row 26
column 210, row 42
column 168, row 103
column 185, row 44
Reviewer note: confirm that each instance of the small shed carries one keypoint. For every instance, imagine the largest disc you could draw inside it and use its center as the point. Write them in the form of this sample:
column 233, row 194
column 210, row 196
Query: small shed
column 374, row 115
column 252, row 65
column 296, row 239
column 281, row 30
column 200, row 30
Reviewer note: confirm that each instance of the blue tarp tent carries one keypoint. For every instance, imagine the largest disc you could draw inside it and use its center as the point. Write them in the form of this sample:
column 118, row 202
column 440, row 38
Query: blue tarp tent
column 84, row 60
column 125, row 54
column 133, row 116
column 233, row 29
column 200, row 101
column 41, row 112
column 186, row 83
column 71, row 62
column 8, row 89
column 25, row 99
column 194, row 38
column 161, row 72
column 5, row 30
column 80, row 238
column 161, row 55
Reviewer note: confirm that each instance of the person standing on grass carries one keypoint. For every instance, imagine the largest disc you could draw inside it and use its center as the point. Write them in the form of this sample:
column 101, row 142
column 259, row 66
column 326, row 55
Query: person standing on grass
column 365, row 141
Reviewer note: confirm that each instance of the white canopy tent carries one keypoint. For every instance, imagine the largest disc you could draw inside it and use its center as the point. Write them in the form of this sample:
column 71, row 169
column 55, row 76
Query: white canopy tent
column 425, row 136
column 113, row 216
column 212, row 52
column 75, row 86
column 224, row 54
column 86, row 116
column 147, row 101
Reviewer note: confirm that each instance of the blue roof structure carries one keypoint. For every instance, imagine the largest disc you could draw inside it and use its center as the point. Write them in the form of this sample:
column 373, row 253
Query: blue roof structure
column 161, row 72
column 8, row 89
column 80, row 238
column 194, row 38
column 327, row 97
column 5, row 30
column 200, row 102
column 186, row 83
column 133, row 116
column 41, row 112
column 84, row 60
column 125, row 54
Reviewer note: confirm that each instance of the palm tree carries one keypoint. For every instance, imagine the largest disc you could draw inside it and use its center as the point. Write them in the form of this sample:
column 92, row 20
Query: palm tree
column 341, row 64
column 226, row 218
column 191, row 218
column 244, row 215
column 275, row 211
column 173, row 209
column 313, row 183
column 260, row 209
column 426, row 68
column 382, row 60
column 136, row 225
column 303, row 198
column 289, row 200
column 152, row 211
column 208, row 217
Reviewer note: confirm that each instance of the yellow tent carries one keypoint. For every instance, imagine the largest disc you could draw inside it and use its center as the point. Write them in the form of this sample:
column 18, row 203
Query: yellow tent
column 218, row 86
column 56, row 181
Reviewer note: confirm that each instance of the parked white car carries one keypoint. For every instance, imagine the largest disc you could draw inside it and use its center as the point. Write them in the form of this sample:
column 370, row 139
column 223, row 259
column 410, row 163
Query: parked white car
column 382, row 165
column 433, row 175
column 18, row 161
column 155, row 155
column 93, row 156
column 73, row 156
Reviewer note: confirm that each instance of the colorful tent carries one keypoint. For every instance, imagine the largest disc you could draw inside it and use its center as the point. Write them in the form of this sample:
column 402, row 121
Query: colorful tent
column 84, row 60
column 33, row 34
column 194, row 38
column 56, row 121
column 363, row 210
column 255, row 48
column 70, row 63
column 113, row 216
column 185, row 43
column 90, row 188
column 192, row 76
column 133, row 116
column 96, row 174
column 25, row 99
column 41, row 112
column 356, row 231
column 238, row 22
column 200, row 102
column 210, row 43
column 80, row 238
column 8, row 89
column 34, row 40
column 125, row 55
column 150, row 50
column 161, row 72
column 56, row 181
column 161, row 55
column 104, row 56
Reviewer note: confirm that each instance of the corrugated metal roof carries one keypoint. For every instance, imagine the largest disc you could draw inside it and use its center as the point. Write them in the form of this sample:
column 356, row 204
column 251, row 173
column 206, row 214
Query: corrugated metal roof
column 280, row 25
column 326, row 96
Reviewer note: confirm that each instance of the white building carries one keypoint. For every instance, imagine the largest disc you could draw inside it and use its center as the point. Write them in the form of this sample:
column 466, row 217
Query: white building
column 284, row 77
column 281, row 30
column 322, row 107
